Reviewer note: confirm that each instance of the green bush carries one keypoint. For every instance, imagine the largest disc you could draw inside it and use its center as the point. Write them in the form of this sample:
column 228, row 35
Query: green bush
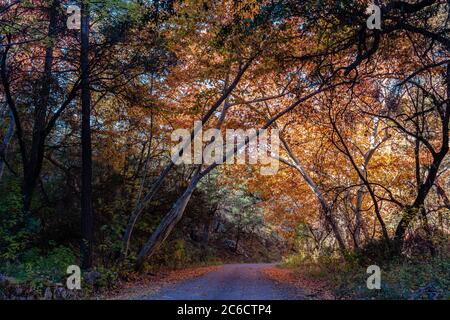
column 37, row 269
column 15, row 227
column 400, row 278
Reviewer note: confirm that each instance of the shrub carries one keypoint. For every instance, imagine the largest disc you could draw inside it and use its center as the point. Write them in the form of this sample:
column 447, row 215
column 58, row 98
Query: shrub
column 38, row 269
column 400, row 278
column 15, row 227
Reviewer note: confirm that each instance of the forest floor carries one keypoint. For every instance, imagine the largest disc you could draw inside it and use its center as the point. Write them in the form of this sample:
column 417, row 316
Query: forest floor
column 261, row 281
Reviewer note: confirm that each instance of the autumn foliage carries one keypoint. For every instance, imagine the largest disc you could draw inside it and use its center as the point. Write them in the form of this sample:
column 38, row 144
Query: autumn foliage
column 363, row 116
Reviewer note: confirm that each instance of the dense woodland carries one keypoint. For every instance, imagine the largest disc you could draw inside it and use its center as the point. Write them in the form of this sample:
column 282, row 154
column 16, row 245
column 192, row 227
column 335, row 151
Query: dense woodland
column 86, row 116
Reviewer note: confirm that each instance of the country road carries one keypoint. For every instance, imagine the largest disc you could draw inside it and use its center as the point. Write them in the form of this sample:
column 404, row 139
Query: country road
column 230, row 282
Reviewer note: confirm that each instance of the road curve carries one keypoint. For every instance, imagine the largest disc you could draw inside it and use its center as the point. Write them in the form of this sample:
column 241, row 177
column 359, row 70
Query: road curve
column 230, row 282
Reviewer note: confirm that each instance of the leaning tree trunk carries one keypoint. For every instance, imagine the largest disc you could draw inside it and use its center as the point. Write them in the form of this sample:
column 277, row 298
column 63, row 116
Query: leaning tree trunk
column 334, row 227
column 325, row 208
column 140, row 207
column 157, row 184
column 167, row 223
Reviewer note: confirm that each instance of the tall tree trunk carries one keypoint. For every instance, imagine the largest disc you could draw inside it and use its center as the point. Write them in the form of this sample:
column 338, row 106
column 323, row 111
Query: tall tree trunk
column 86, row 145
column 33, row 166
column 32, row 161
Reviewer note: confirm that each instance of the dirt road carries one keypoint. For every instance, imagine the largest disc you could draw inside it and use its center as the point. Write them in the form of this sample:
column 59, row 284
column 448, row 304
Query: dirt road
column 230, row 282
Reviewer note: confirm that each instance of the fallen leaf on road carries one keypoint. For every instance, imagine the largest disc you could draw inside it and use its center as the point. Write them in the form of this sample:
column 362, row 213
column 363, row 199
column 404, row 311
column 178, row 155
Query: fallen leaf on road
column 314, row 288
column 147, row 284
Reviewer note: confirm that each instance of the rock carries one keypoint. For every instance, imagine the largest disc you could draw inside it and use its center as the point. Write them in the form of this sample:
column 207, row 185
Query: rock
column 61, row 293
column 218, row 226
column 18, row 292
column 5, row 280
column 48, row 295
column 57, row 293
column 91, row 277
column 230, row 244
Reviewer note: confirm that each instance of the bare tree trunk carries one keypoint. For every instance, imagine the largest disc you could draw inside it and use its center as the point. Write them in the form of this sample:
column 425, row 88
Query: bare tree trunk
column 86, row 144
column 175, row 214
column 360, row 224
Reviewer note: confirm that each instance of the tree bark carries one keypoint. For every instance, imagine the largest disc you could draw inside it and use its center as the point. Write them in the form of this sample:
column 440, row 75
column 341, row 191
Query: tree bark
column 86, row 144
column 140, row 207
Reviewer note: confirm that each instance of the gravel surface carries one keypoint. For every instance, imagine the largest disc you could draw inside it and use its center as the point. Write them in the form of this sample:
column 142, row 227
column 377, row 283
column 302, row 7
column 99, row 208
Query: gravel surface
column 230, row 282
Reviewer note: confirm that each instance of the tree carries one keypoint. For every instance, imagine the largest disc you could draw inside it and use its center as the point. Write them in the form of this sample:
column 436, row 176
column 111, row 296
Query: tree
column 86, row 145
